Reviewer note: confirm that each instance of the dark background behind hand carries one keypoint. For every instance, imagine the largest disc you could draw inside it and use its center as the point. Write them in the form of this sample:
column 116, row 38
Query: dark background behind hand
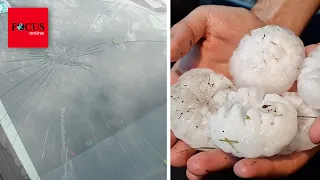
column 181, row 8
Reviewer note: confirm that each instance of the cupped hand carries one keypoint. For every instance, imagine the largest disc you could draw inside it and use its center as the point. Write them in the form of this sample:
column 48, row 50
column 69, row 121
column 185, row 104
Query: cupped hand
column 219, row 30
column 206, row 38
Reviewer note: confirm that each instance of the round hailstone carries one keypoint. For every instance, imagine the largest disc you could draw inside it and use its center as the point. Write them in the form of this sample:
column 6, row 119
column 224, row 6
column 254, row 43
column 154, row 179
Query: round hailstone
column 309, row 79
column 193, row 98
column 306, row 116
column 254, row 124
column 268, row 58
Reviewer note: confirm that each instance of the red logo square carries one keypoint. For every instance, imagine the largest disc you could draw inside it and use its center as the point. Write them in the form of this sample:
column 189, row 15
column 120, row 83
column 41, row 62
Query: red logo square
column 28, row 28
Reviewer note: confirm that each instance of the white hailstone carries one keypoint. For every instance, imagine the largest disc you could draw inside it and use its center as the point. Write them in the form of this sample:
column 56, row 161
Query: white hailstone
column 309, row 79
column 269, row 58
column 253, row 124
column 194, row 98
column 306, row 116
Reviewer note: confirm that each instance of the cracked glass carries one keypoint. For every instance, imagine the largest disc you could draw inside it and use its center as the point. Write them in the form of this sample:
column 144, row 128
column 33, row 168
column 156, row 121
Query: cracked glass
column 93, row 104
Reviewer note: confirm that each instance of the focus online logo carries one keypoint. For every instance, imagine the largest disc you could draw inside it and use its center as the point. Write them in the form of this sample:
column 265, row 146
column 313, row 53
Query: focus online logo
column 29, row 24
column 33, row 29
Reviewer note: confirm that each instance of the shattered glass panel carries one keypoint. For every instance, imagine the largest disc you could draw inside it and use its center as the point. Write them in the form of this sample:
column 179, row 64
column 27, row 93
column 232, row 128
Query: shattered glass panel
column 92, row 105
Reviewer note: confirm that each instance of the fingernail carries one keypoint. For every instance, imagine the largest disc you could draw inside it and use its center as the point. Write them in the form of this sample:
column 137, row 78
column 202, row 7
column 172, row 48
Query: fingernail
column 241, row 170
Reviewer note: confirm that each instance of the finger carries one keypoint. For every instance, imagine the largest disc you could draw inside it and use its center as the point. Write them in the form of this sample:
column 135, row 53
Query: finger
column 174, row 74
column 311, row 48
column 203, row 163
column 186, row 63
column 180, row 153
column 173, row 139
column 183, row 65
column 190, row 176
column 314, row 132
column 276, row 166
column 187, row 32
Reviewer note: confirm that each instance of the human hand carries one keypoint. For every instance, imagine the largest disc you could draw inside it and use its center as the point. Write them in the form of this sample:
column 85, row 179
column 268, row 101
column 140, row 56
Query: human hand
column 276, row 166
column 220, row 28
column 215, row 23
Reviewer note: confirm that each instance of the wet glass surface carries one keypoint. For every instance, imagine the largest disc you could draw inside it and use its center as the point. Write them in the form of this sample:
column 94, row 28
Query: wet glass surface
column 92, row 105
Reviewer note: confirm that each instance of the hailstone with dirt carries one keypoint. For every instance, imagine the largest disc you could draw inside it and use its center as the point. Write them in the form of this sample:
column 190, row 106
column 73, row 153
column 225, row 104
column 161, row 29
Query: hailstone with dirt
column 253, row 124
column 269, row 58
column 197, row 95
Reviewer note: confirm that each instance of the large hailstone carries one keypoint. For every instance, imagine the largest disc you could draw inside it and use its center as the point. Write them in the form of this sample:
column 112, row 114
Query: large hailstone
column 254, row 124
column 309, row 79
column 268, row 58
column 306, row 116
column 193, row 98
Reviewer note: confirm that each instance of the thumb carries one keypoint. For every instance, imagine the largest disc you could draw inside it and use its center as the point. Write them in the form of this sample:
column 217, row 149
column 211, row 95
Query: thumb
column 187, row 32
column 314, row 132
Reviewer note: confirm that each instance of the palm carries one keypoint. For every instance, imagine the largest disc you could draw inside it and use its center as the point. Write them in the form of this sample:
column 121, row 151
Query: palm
column 224, row 27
